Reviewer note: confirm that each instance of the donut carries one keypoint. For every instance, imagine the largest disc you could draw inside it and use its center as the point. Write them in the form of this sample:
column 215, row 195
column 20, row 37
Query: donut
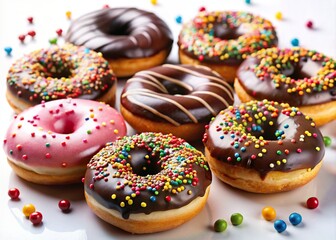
column 59, row 72
column 131, row 39
column 177, row 99
column 263, row 147
column 148, row 182
column 301, row 77
column 52, row 142
column 221, row 40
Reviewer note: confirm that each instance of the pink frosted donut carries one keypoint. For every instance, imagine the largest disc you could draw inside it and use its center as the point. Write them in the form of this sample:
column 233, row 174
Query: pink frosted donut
column 52, row 142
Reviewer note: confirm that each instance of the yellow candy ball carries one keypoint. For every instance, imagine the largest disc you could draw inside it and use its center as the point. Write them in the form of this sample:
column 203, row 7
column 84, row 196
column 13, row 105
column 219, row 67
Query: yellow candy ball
column 68, row 14
column 278, row 15
column 28, row 209
column 154, row 2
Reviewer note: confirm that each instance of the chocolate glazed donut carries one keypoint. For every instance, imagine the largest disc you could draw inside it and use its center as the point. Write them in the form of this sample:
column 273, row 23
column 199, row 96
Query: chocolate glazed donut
column 122, row 33
column 170, row 97
column 301, row 77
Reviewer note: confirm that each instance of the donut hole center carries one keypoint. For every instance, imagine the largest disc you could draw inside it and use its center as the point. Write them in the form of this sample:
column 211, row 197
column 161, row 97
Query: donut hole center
column 228, row 32
column 64, row 126
column 143, row 163
column 56, row 68
column 267, row 132
column 305, row 68
column 175, row 89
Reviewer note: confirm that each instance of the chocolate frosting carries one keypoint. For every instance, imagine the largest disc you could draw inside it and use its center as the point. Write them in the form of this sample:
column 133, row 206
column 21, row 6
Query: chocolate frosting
column 121, row 33
column 290, row 139
column 301, row 71
column 177, row 94
column 60, row 72
column 159, row 173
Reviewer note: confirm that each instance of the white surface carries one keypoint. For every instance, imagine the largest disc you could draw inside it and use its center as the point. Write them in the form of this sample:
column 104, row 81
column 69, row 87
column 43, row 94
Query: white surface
column 81, row 223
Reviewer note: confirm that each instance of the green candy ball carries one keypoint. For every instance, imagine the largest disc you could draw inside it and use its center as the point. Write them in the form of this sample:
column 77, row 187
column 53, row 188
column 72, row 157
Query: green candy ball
column 327, row 141
column 220, row 225
column 236, row 219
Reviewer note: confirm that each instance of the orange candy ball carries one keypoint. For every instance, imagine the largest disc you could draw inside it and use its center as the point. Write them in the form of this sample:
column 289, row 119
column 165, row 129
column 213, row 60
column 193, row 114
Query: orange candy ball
column 268, row 213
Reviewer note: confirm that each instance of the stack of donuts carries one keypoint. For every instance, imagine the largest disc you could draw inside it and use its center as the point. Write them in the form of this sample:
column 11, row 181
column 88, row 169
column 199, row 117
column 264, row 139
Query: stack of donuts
column 67, row 129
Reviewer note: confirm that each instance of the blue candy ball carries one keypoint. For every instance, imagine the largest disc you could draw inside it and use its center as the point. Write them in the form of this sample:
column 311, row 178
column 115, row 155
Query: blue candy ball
column 295, row 42
column 280, row 226
column 295, row 218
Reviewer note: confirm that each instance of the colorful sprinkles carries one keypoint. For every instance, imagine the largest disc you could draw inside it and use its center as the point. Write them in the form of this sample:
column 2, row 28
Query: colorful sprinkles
column 60, row 72
column 198, row 36
column 133, row 184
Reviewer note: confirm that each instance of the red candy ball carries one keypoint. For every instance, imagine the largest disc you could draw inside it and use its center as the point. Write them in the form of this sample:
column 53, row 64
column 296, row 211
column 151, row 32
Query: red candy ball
column 30, row 19
column 309, row 24
column 22, row 37
column 64, row 205
column 59, row 32
column 14, row 193
column 36, row 218
column 32, row 33
column 312, row 203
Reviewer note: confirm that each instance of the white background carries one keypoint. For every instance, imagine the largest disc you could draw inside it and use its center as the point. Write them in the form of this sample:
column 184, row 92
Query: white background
column 81, row 223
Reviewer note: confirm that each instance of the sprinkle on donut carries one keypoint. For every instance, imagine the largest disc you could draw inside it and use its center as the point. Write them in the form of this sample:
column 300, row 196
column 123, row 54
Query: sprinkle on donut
column 226, row 36
column 265, row 136
column 147, row 172
column 60, row 72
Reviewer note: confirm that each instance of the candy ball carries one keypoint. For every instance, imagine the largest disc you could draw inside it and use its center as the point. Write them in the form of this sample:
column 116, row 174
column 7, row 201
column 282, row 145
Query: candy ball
column 22, row 37
column 53, row 40
column 30, row 19
column 8, row 50
column 295, row 218
column 220, row 225
column 178, row 19
column 236, row 219
column 327, row 141
column 280, row 226
column 32, row 33
column 295, row 42
column 268, row 213
column 154, row 2
column 64, row 205
column 278, row 15
column 14, row 193
column 312, row 203
column 36, row 218
column 309, row 24
column 28, row 209
column 68, row 14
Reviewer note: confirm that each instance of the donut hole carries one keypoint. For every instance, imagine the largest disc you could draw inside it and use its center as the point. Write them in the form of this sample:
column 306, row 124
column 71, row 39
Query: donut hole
column 226, row 32
column 267, row 132
column 175, row 89
column 64, row 126
column 305, row 68
column 118, row 29
column 144, row 163
column 55, row 68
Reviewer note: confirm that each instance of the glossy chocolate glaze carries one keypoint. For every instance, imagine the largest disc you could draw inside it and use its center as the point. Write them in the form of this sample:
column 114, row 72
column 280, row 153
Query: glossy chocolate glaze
column 177, row 94
column 60, row 72
column 265, row 88
column 143, row 181
column 121, row 33
column 301, row 144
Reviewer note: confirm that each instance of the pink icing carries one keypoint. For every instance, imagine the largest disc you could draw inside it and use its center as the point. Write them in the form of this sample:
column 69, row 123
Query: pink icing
column 62, row 133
